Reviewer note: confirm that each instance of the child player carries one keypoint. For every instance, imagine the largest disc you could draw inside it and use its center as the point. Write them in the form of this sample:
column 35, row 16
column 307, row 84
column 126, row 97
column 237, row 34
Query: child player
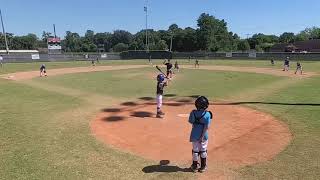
column 200, row 120
column 299, row 68
column 161, row 83
column 169, row 68
column 196, row 64
column 176, row 66
column 43, row 71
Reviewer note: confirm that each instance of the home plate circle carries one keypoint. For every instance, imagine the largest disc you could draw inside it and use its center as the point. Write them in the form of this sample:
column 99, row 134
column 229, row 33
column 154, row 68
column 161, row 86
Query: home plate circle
column 183, row 115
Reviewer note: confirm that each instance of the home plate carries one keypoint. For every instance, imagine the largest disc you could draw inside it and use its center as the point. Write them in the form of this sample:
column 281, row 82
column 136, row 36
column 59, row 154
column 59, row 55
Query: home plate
column 183, row 115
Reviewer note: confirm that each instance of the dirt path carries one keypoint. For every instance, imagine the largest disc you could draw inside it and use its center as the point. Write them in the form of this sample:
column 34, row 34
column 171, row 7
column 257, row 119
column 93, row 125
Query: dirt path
column 54, row 72
column 239, row 136
column 269, row 71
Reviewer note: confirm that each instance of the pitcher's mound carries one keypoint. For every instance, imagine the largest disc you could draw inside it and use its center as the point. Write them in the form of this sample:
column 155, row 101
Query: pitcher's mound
column 238, row 135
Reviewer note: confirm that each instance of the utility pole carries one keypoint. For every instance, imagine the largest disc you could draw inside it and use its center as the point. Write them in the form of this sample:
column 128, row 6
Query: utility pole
column 4, row 33
column 147, row 38
column 54, row 30
column 171, row 42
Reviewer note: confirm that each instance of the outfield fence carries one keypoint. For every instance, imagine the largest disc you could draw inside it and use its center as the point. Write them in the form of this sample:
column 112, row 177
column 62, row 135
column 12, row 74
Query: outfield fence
column 32, row 57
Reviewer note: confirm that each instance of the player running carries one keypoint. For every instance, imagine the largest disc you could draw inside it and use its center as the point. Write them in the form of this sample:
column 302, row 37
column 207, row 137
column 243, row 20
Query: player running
column 200, row 120
column 169, row 68
column 43, row 71
column 161, row 83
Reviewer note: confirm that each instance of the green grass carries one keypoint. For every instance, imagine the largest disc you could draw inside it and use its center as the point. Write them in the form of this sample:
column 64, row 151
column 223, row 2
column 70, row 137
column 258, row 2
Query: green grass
column 301, row 160
column 16, row 67
column 141, row 82
column 45, row 133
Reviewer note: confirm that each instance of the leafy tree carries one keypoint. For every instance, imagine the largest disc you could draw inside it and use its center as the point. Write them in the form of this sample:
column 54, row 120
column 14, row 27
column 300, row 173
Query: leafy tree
column 46, row 35
column 213, row 34
column 120, row 47
column 287, row 37
column 243, row 45
column 162, row 45
column 121, row 36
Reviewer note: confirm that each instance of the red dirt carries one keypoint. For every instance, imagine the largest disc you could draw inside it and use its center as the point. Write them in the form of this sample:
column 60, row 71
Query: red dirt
column 238, row 135
column 269, row 71
column 54, row 72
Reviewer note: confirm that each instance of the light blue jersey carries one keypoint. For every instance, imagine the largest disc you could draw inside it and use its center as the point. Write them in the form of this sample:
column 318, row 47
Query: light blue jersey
column 199, row 120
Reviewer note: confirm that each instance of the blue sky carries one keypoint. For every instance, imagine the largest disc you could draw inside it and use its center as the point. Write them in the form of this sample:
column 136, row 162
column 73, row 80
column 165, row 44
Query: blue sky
column 243, row 16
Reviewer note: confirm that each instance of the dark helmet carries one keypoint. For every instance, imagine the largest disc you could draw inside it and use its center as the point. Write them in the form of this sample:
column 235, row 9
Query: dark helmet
column 202, row 103
column 160, row 78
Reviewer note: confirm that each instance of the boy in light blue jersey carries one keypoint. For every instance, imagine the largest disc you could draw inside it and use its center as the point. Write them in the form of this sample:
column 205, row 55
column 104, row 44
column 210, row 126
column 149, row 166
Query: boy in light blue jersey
column 200, row 120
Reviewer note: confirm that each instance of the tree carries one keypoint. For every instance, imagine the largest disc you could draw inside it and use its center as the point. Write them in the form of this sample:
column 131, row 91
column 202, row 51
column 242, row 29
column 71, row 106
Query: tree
column 121, row 36
column 120, row 47
column 243, row 45
column 213, row 34
column 89, row 35
column 287, row 37
column 46, row 35
column 162, row 45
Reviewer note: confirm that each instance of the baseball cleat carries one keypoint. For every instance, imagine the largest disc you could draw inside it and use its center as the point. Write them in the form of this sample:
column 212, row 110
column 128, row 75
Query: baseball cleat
column 203, row 167
column 194, row 167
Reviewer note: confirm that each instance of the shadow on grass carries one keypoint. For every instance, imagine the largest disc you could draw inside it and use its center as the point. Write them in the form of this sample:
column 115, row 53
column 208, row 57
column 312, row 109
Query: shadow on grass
column 194, row 96
column 269, row 103
column 164, row 169
column 111, row 110
column 147, row 98
column 170, row 95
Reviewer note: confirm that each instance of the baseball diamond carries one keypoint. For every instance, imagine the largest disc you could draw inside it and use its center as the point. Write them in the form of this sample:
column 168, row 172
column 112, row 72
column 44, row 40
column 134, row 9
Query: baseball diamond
column 148, row 90
column 96, row 126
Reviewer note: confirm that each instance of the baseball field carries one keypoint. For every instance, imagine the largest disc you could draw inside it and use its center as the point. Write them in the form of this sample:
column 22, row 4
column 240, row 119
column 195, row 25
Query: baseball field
column 98, row 122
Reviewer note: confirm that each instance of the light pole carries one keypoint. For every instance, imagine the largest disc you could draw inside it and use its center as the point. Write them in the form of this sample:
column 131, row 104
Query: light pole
column 4, row 33
column 147, row 39
column 171, row 42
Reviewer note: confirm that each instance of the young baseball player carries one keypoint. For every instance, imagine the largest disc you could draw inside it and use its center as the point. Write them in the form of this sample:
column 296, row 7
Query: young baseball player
column 169, row 68
column 196, row 64
column 161, row 83
column 43, row 71
column 286, row 64
column 200, row 120
column 176, row 66
column 1, row 59
column 299, row 68
column 272, row 62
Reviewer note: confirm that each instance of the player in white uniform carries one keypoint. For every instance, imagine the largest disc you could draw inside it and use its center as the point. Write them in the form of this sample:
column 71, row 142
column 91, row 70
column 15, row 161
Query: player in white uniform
column 161, row 83
column 1, row 59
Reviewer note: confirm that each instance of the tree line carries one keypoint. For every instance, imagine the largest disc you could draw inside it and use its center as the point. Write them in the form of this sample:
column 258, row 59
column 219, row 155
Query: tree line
column 211, row 34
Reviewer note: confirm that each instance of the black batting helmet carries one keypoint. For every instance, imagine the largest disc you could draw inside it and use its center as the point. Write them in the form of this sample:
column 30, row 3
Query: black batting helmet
column 202, row 103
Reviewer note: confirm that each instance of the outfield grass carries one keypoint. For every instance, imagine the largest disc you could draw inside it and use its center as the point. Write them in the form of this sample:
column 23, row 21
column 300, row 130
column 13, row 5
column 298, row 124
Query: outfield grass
column 45, row 133
column 135, row 83
column 16, row 67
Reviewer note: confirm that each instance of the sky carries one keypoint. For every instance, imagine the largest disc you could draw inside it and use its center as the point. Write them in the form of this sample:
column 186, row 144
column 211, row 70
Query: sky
column 243, row 16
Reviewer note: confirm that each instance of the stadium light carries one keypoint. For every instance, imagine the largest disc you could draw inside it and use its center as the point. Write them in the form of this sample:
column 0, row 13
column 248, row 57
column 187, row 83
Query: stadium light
column 147, row 37
column 4, row 33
